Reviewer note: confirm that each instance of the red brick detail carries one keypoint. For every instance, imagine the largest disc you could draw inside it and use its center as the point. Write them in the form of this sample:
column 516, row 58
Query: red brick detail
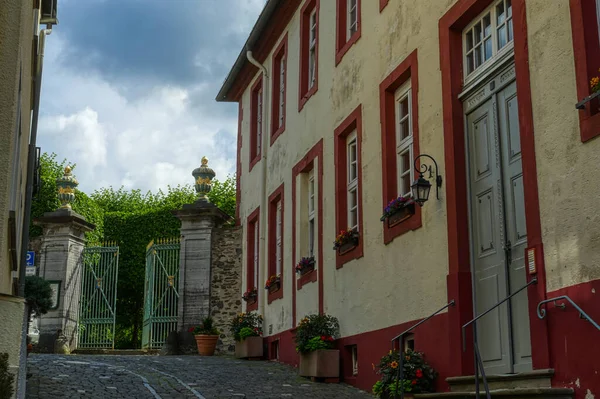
column 341, row 44
column 280, row 55
column 304, row 93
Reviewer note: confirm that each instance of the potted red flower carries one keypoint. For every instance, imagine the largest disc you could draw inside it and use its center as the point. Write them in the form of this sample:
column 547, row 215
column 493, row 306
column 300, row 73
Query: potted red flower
column 315, row 341
column 345, row 241
column 207, row 336
column 417, row 375
column 273, row 283
column 250, row 296
column 247, row 332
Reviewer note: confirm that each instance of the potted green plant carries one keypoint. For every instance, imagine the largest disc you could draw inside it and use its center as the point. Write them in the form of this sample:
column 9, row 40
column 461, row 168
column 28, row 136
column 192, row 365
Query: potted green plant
column 345, row 241
column 417, row 376
column 207, row 336
column 315, row 340
column 398, row 210
column 247, row 332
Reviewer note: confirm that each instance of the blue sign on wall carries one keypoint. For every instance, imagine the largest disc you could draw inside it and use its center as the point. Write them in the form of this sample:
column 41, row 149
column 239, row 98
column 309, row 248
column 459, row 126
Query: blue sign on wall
column 30, row 260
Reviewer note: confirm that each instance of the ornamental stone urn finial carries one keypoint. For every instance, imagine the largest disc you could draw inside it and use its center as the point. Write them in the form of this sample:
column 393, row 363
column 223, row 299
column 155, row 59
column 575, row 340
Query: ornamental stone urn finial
column 66, row 188
column 203, row 176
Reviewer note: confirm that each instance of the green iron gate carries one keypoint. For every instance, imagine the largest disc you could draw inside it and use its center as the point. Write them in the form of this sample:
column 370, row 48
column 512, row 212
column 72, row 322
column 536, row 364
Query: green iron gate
column 161, row 292
column 98, row 300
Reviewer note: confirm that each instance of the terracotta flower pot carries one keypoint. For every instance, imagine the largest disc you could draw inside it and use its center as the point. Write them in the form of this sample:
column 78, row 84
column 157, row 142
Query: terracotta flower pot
column 322, row 363
column 206, row 344
column 250, row 347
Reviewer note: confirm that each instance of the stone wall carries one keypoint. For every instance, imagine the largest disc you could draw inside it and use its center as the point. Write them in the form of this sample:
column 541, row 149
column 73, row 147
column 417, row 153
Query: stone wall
column 226, row 282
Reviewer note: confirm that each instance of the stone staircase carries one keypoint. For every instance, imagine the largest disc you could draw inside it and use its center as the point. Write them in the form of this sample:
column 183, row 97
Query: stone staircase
column 529, row 385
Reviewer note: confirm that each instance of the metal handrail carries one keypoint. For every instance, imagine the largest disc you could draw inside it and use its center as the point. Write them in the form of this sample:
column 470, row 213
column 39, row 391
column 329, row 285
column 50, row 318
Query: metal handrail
column 478, row 360
column 542, row 312
column 400, row 372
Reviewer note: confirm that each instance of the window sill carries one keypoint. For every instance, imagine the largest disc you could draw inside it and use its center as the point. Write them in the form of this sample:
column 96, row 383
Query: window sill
column 252, row 306
column 273, row 296
column 307, row 278
column 589, row 124
column 307, row 96
column 354, row 253
column 341, row 52
column 277, row 133
column 412, row 223
column 253, row 162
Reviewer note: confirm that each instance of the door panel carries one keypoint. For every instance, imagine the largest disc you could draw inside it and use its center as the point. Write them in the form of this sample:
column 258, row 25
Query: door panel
column 487, row 225
column 516, row 231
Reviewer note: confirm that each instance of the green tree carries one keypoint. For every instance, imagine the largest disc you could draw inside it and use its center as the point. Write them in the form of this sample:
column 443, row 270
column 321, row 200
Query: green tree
column 38, row 295
column 6, row 378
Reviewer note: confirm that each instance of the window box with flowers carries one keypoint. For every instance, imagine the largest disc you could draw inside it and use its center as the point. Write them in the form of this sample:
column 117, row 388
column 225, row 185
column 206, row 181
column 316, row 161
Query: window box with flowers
column 315, row 340
column 418, row 376
column 273, row 283
column 346, row 241
column 305, row 265
column 250, row 296
column 247, row 332
column 398, row 210
column 595, row 91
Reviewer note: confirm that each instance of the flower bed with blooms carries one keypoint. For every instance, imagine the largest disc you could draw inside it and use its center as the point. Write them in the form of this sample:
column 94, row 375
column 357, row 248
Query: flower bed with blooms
column 418, row 376
column 250, row 294
column 394, row 206
column 305, row 264
column 274, row 279
column 344, row 237
column 316, row 332
column 246, row 325
column 206, row 328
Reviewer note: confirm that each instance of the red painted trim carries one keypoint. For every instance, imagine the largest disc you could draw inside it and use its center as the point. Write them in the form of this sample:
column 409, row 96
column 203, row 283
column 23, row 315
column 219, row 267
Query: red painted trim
column 304, row 93
column 304, row 166
column 238, row 166
column 274, row 198
column 251, row 222
column 275, row 27
column 287, row 347
column 280, row 54
column 341, row 44
column 382, row 4
column 352, row 122
column 408, row 69
column 256, row 88
column 451, row 59
column 586, row 49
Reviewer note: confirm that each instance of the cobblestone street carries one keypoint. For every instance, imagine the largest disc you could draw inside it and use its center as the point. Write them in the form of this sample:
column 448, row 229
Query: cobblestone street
column 84, row 376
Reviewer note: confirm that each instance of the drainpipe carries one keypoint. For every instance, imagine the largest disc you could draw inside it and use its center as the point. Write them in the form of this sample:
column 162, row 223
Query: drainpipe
column 263, row 166
column 31, row 157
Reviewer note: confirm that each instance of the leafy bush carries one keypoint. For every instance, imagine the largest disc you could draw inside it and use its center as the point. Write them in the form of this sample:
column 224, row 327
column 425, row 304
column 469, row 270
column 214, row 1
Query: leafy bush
column 322, row 342
column 418, row 376
column 316, row 326
column 38, row 295
column 247, row 332
column 250, row 320
column 206, row 328
column 6, row 378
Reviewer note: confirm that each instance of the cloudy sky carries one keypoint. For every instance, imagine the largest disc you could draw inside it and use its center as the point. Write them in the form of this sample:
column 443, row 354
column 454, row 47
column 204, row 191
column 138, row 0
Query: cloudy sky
column 129, row 86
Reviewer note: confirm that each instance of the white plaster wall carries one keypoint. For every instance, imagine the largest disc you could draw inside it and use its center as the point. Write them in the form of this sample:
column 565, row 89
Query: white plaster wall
column 568, row 171
column 11, row 328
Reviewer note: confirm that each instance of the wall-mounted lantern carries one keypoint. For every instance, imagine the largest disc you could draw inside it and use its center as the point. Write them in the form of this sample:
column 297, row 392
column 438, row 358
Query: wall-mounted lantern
column 421, row 186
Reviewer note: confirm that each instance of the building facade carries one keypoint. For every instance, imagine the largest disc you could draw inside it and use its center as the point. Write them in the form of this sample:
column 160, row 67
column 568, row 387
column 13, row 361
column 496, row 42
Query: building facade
column 336, row 101
column 21, row 49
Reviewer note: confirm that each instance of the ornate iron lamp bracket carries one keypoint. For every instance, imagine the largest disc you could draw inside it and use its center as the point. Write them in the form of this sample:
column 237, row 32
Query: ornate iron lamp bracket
column 423, row 168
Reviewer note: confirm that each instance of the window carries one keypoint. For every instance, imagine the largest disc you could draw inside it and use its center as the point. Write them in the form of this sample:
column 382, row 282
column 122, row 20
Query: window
column 404, row 140
column 585, row 25
column 352, row 159
column 354, row 360
column 279, row 90
column 276, row 254
column 348, row 188
column 311, row 213
column 489, row 34
column 252, row 250
column 398, row 95
column 348, row 27
column 409, row 342
column 256, row 122
column 309, row 51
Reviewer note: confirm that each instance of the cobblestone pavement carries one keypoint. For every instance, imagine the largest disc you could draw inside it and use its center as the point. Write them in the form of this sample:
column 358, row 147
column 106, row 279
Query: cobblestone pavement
column 86, row 376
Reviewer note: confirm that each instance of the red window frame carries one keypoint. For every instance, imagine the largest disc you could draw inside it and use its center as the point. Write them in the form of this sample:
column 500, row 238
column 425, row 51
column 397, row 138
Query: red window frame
column 382, row 4
column 279, row 55
column 254, row 153
column 252, row 221
column 342, row 43
column 586, row 49
column 351, row 123
column 304, row 92
column 274, row 198
column 407, row 70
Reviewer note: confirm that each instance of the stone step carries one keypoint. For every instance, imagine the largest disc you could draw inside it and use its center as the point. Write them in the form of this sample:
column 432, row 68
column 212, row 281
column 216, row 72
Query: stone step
column 518, row 393
column 530, row 379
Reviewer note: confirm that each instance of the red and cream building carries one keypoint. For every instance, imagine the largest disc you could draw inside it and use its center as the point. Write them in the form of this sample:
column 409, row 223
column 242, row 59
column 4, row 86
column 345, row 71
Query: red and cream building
column 336, row 100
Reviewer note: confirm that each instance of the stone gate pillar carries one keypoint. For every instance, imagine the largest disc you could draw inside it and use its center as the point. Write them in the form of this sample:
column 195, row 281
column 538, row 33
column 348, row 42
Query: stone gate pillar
column 60, row 263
